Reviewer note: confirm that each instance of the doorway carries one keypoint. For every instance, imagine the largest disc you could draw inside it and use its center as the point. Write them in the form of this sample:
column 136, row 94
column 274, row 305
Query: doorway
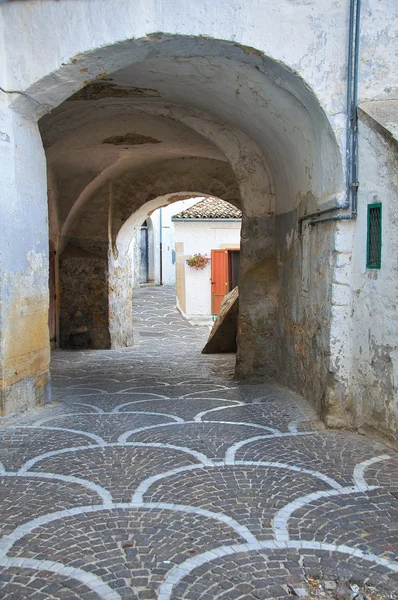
column 233, row 268
column 52, row 314
column 144, row 258
column 224, row 275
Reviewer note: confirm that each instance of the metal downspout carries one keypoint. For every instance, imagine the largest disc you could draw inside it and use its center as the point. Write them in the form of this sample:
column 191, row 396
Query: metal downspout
column 354, row 150
column 352, row 127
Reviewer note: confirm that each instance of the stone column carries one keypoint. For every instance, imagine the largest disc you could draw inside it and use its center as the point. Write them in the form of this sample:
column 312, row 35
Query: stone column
column 24, row 348
column 120, row 288
column 338, row 407
column 258, row 342
column 120, row 280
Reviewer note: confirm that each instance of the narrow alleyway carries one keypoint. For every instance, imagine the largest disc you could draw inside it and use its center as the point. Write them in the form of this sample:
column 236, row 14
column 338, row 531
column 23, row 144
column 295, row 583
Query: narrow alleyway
column 155, row 475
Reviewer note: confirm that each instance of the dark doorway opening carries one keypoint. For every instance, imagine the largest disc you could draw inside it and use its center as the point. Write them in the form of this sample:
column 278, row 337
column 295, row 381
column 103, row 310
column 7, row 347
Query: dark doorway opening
column 144, row 258
column 233, row 268
column 52, row 314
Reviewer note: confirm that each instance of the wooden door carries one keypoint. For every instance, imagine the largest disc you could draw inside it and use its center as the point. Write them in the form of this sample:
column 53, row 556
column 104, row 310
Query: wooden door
column 52, row 315
column 219, row 278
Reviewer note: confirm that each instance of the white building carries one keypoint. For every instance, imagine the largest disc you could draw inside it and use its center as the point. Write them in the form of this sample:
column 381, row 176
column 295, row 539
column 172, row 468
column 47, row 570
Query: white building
column 157, row 246
column 210, row 228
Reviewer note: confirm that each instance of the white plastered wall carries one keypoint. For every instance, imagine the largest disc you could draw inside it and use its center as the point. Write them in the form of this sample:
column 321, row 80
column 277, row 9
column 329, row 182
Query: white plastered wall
column 309, row 37
column 201, row 237
column 168, row 241
column 299, row 33
column 374, row 309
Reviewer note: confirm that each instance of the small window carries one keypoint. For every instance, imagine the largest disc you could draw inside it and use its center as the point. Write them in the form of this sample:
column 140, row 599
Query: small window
column 373, row 250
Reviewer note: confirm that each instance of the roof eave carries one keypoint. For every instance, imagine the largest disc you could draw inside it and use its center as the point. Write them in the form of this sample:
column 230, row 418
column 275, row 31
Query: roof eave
column 202, row 219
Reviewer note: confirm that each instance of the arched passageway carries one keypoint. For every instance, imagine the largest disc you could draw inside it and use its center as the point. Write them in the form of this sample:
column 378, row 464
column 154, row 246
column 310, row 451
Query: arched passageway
column 175, row 115
column 159, row 474
column 205, row 117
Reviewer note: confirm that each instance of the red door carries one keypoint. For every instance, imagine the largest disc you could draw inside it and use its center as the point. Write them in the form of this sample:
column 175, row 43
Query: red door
column 219, row 278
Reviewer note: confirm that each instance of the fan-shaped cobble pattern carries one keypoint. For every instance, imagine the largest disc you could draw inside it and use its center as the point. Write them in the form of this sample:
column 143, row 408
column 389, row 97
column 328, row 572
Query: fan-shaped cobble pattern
column 17, row 445
column 334, row 453
column 110, row 426
column 119, row 469
column 263, row 412
column 185, row 408
column 155, row 475
column 24, row 498
column 130, row 549
column 268, row 575
column 251, row 495
column 367, row 520
column 211, row 438
column 17, row 584
column 384, row 473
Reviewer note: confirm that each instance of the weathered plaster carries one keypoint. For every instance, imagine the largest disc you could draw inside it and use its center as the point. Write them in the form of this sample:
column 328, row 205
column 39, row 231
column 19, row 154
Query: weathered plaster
column 24, row 347
column 374, row 330
column 300, row 35
column 337, row 406
column 257, row 355
column 265, row 105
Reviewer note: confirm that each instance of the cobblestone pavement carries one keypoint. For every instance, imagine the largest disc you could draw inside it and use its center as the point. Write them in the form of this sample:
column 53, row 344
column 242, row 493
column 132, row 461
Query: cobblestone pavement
column 155, row 475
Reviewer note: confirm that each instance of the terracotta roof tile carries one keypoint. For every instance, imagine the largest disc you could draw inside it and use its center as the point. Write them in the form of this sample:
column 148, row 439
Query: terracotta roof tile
column 210, row 208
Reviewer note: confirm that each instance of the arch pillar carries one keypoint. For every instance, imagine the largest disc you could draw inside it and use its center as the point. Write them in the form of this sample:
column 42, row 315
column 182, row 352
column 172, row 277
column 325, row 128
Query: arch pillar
column 120, row 288
column 258, row 341
column 25, row 347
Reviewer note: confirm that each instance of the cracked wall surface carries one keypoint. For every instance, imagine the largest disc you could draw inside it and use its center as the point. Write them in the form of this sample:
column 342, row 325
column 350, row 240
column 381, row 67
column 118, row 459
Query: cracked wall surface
column 24, row 339
column 253, row 115
column 374, row 328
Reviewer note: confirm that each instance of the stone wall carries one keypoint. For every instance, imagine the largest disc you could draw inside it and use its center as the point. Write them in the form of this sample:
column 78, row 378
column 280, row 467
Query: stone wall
column 84, row 310
column 258, row 340
column 303, row 312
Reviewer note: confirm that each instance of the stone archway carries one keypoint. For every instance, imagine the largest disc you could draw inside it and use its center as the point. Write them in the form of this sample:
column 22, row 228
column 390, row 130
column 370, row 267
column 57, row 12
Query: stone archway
column 258, row 137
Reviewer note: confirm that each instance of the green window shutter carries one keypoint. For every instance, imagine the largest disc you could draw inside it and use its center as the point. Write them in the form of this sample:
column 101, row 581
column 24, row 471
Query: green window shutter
column 373, row 246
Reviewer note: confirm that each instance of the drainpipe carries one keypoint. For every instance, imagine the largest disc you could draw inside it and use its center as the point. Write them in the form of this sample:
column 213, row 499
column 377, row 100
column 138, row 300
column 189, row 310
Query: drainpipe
column 352, row 184
column 160, row 247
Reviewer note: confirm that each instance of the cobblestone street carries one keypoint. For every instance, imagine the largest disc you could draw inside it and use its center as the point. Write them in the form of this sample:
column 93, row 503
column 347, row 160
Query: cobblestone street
column 155, row 475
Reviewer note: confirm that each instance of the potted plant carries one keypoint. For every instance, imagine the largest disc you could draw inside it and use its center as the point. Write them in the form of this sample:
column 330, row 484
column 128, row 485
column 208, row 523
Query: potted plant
column 198, row 261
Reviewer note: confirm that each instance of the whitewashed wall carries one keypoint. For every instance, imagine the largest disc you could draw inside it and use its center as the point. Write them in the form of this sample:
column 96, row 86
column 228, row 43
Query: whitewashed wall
column 202, row 237
column 168, row 265
column 169, row 269
column 48, row 50
column 299, row 33
column 374, row 310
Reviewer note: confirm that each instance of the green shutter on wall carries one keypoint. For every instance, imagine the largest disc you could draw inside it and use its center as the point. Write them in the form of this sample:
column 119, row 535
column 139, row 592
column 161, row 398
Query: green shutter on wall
column 373, row 247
